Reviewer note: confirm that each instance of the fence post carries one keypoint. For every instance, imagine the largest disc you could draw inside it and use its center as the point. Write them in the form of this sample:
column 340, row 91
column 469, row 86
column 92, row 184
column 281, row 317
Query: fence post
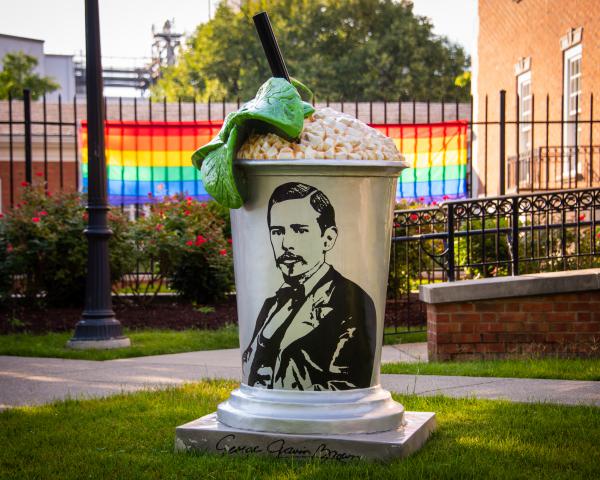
column 502, row 159
column 450, row 247
column 515, row 235
column 27, row 124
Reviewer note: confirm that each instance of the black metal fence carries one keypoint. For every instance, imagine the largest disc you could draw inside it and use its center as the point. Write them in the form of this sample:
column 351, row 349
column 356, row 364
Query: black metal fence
column 40, row 138
column 456, row 240
column 489, row 237
column 525, row 148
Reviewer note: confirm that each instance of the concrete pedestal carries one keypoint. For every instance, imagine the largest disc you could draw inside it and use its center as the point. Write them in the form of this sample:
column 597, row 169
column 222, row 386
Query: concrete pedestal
column 207, row 434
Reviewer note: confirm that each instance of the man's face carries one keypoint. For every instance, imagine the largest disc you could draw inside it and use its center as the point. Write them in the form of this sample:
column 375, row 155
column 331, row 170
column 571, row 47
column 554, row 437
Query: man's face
column 298, row 244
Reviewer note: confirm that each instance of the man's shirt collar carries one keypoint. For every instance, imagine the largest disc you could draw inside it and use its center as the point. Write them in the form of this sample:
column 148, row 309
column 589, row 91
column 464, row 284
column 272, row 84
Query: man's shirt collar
column 309, row 282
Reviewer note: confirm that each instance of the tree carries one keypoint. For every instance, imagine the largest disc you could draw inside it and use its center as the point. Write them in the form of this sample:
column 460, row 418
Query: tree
column 17, row 74
column 351, row 49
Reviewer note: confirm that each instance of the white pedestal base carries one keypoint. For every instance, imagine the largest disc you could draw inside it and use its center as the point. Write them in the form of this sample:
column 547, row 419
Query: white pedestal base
column 208, row 435
column 361, row 410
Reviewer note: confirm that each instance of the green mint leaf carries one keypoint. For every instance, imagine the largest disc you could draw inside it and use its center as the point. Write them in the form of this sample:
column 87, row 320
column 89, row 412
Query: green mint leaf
column 278, row 105
column 218, row 173
column 308, row 109
column 276, row 108
column 303, row 89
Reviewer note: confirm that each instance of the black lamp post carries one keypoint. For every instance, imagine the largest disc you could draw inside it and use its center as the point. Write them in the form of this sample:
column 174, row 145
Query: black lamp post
column 98, row 327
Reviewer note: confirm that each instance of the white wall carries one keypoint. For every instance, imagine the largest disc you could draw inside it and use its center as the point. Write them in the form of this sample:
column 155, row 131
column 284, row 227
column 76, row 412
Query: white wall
column 61, row 68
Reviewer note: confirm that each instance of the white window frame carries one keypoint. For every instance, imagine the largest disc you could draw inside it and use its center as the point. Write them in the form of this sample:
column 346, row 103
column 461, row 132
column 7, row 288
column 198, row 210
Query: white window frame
column 571, row 55
column 525, row 115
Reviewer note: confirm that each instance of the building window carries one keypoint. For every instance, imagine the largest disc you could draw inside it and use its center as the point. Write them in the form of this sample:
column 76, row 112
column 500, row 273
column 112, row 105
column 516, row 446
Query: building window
column 524, row 92
column 525, row 147
column 572, row 105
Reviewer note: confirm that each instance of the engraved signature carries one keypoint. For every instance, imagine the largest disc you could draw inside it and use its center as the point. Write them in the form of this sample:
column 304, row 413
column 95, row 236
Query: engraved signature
column 227, row 445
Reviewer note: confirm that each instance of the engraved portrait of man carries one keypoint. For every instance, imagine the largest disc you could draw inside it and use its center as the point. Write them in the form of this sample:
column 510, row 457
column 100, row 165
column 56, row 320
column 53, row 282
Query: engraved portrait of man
column 317, row 332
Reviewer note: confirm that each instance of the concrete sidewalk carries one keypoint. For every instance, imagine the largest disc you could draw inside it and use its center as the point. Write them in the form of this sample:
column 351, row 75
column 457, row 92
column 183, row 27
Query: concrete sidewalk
column 35, row 381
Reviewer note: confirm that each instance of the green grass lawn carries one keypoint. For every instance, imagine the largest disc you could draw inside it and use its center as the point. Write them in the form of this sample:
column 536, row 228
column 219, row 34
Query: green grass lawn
column 132, row 436
column 143, row 342
column 555, row 368
column 392, row 337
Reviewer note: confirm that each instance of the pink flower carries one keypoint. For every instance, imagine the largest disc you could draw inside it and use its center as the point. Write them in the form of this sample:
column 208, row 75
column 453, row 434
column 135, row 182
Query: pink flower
column 200, row 240
column 445, row 197
column 35, row 219
column 229, row 241
column 1, row 215
column 396, row 225
column 204, row 205
column 42, row 213
column 582, row 217
column 187, row 213
column 24, row 184
column 414, row 217
column 223, row 252
column 189, row 243
column 421, row 199
column 434, row 203
column 39, row 174
column 159, row 227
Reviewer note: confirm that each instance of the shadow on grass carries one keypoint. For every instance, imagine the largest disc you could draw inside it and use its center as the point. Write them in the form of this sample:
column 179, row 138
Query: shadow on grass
column 131, row 436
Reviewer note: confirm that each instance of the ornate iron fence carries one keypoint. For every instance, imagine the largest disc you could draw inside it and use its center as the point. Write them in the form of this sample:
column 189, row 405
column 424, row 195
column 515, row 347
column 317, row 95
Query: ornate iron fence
column 489, row 237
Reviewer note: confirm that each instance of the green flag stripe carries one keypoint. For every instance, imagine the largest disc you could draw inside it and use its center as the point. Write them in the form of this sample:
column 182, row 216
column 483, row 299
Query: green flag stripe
column 451, row 172
column 157, row 174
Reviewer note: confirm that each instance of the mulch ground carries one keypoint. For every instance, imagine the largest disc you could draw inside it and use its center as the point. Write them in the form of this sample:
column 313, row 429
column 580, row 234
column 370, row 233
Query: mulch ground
column 163, row 313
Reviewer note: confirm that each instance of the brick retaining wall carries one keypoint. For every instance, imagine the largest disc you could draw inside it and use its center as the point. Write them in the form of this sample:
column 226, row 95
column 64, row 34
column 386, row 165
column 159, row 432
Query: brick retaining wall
column 512, row 325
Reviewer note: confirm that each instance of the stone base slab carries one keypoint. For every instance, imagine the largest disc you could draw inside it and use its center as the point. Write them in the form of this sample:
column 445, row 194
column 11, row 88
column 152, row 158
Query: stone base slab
column 207, row 434
column 99, row 344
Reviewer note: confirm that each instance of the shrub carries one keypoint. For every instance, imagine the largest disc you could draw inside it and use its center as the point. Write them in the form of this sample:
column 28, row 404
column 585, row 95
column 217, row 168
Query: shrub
column 409, row 265
column 45, row 249
column 184, row 239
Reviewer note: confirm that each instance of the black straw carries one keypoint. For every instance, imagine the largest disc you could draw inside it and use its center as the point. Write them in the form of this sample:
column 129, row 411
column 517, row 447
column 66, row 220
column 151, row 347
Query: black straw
column 270, row 45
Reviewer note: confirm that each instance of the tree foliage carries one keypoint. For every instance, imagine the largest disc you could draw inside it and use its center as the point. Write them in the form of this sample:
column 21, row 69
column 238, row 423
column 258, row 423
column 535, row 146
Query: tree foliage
column 17, row 74
column 352, row 49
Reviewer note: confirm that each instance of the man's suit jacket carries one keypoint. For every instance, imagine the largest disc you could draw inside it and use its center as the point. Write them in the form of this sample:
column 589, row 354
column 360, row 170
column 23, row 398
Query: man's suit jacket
column 326, row 342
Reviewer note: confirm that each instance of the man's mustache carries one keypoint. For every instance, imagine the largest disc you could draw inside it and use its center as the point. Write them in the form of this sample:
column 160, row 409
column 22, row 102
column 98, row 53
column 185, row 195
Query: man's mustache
column 290, row 257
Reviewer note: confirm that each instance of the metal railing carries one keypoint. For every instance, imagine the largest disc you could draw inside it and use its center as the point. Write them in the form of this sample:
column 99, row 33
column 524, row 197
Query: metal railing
column 554, row 167
column 489, row 237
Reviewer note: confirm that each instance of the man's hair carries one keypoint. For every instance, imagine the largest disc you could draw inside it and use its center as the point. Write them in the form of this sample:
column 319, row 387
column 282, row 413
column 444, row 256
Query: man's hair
column 318, row 200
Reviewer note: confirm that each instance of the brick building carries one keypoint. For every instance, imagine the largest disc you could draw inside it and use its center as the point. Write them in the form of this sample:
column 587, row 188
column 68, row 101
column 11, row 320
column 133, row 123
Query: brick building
column 546, row 55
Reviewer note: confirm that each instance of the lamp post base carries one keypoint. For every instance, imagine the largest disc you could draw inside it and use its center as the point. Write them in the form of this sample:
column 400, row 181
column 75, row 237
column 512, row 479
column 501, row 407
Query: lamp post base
column 99, row 344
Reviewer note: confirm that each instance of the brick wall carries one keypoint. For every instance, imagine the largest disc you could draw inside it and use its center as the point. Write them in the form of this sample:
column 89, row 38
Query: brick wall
column 544, row 325
column 509, row 31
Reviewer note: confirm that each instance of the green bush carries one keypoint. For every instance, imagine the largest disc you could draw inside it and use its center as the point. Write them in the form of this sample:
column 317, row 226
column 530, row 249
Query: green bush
column 409, row 265
column 45, row 250
column 185, row 240
column 470, row 250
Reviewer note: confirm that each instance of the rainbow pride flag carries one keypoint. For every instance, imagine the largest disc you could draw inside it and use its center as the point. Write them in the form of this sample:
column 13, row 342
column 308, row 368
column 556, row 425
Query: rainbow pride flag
column 148, row 160
column 437, row 156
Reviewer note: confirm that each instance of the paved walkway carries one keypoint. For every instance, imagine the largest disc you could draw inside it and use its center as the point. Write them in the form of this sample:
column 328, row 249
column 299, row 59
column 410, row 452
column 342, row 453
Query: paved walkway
column 34, row 381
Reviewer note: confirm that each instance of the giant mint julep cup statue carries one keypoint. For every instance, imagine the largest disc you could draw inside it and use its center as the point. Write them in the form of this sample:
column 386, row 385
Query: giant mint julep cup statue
column 312, row 204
